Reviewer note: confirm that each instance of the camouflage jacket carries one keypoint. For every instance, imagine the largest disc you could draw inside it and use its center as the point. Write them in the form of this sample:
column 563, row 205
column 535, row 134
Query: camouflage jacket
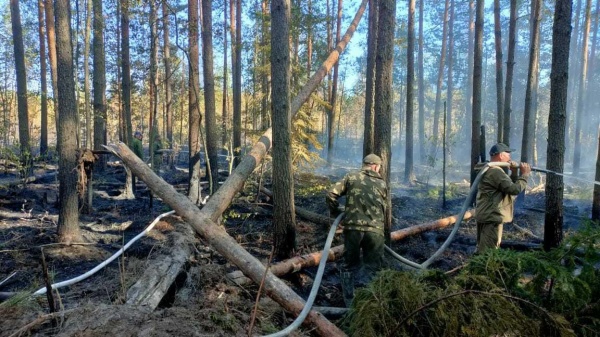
column 496, row 195
column 137, row 148
column 366, row 195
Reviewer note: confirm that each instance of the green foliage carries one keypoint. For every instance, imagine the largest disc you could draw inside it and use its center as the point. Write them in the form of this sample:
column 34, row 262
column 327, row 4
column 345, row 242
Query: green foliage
column 500, row 292
column 303, row 138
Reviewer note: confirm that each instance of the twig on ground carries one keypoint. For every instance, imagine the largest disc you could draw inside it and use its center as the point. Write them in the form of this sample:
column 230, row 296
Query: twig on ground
column 262, row 282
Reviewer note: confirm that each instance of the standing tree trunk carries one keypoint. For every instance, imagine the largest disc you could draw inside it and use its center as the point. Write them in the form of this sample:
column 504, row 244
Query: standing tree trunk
column 510, row 66
column 421, row 88
column 51, row 37
column 469, row 91
column 529, row 114
column 153, row 125
column 19, row 50
column 384, row 68
column 582, row 87
column 499, row 78
column 68, row 218
column 368, row 142
column 194, row 102
column 168, row 74
column 438, row 92
column 331, row 112
column 409, row 175
column 477, row 79
column 236, row 54
column 43, row 84
column 126, row 87
column 225, row 113
column 212, row 136
column 559, row 79
column 284, row 220
column 99, row 83
column 86, row 75
column 450, row 88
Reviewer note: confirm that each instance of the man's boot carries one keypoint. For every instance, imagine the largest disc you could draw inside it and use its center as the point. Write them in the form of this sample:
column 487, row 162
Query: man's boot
column 347, row 280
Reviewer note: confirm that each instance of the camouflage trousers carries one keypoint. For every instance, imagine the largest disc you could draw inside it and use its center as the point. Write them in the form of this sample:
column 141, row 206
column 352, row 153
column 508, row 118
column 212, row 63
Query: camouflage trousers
column 488, row 236
column 372, row 245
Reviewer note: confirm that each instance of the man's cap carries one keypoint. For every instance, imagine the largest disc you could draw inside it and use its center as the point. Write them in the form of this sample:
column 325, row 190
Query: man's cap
column 372, row 159
column 499, row 148
column 137, row 133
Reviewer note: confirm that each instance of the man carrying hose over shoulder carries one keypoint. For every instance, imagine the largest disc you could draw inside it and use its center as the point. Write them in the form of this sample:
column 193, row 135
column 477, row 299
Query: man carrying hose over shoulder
column 365, row 192
column 496, row 196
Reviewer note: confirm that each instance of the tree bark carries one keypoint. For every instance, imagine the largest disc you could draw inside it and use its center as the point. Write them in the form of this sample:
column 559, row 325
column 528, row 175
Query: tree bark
column 19, row 50
column 168, row 74
column 68, row 216
column 384, row 67
column 561, row 35
column 368, row 141
column 126, row 87
column 332, row 111
column 440, row 80
column 162, row 271
column 194, row 102
column 86, row 75
column 450, row 88
column 236, row 53
column 477, row 79
column 421, row 87
column 43, row 83
column 582, row 88
column 216, row 236
column 409, row 175
column 212, row 136
column 510, row 66
column 529, row 114
column 298, row 263
column 499, row 76
column 284, row 220
column 99, row 83
column 51, row 37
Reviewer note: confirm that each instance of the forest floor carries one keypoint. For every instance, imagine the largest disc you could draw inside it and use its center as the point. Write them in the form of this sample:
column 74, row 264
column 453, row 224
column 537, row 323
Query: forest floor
column 203, row 301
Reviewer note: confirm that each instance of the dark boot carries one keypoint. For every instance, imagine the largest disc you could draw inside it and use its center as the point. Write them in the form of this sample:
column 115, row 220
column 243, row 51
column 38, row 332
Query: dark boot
column 347, row 280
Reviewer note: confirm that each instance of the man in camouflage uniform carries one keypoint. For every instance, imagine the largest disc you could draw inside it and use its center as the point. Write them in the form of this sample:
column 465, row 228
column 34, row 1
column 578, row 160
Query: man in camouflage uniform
column 366, row 194
column 137, row 145
column 496, row 194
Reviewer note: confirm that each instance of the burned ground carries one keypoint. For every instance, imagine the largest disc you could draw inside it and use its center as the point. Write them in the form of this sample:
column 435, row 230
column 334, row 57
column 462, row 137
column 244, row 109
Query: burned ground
column 203, row 301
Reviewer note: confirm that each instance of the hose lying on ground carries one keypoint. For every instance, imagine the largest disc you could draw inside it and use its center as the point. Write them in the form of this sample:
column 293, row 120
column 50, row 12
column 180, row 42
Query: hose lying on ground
column 74, row 280
column 316, row 284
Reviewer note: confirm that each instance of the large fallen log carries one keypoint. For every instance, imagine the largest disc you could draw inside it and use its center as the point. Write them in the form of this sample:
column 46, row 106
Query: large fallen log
column 162, row 271
column 218, row 238
column 204, row 222
column 297, row 263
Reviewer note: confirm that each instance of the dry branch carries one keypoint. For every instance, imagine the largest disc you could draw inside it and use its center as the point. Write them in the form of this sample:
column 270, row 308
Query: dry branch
column 297, row 263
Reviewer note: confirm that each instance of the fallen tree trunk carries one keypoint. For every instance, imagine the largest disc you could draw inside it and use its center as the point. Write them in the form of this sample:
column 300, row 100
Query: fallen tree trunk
column 162, row 271
column 297, row 263
column 218, row 238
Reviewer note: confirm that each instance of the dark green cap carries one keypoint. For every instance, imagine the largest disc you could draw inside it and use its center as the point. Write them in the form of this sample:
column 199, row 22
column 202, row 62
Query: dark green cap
column 372, row 159
column 499, row 148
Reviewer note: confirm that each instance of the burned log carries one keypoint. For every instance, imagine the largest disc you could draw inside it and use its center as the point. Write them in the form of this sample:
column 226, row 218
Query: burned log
column 203, row 223
column 162, row 271
column 297, row 263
